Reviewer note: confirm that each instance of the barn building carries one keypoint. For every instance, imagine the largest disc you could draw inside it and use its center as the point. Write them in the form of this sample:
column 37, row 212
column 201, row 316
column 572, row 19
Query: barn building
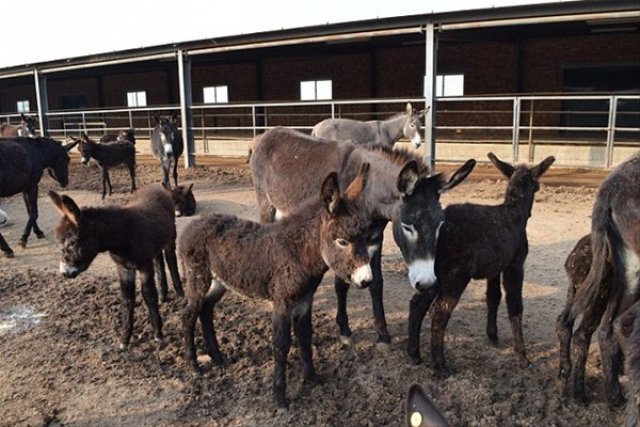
column 559, row 78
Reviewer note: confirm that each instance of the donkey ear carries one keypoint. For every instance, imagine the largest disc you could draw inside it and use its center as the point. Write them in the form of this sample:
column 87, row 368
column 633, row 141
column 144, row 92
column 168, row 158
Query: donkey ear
column 506, row 169
column 66, row 206
column 330, row 193
column 157, row 119
column 71, row 144
column 407, row 178
column 459, row 175
column 408, row 109
column 424, row 112
column 174, row 118
column 23, row 117
column 539, row 170
column 190, row 187
column 358, row 184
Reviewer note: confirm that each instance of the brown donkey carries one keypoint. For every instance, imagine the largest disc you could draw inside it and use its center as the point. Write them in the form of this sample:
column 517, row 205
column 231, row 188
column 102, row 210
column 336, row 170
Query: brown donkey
column 282, row 262
column 134, row 235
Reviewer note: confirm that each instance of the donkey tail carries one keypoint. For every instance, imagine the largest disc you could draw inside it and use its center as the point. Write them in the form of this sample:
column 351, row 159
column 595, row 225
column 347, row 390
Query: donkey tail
column 606, row 242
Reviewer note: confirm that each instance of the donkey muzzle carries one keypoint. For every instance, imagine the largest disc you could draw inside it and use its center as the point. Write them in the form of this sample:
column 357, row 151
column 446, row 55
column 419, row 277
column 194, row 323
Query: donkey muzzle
column 422, row 274
column 362, row 277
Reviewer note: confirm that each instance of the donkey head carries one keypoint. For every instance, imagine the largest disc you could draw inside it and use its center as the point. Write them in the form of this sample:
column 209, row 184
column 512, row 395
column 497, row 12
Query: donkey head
column 412, row 126
column 57, row 160
column 417, row 222
column 523, row 181
column 168, row 133
column 86, row 147
column 183, row 199
column 27, row 127
column 344, row 229
column 79, row 245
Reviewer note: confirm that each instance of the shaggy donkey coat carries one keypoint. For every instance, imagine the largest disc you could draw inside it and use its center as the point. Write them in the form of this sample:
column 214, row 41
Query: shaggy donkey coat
column 282, row 262
column 134, row 235
column 478, row 241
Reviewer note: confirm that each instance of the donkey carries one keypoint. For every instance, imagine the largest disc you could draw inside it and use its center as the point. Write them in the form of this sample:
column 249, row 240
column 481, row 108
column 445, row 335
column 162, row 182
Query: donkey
column 627, row 328
column 183, row 199
column 167, row 146
column 614, row 273
column 375, row 132
column 108, row 155
column 420, row 411
column 26, row 128
column 282, row 262
column 402, row 191
column 134, row 235
column 22, row 163
column 121, row 136
column 479, row 241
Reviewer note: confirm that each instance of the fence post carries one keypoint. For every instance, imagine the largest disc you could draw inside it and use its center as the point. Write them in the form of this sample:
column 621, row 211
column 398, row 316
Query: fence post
column 530, row 153
column 611, row 129
column 516, row 128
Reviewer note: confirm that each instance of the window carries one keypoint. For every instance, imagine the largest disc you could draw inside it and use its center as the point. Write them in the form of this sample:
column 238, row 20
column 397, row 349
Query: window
column 312, row 90
column 215, row 94
column 23, row 106
column 450, row 85
column 137, row 99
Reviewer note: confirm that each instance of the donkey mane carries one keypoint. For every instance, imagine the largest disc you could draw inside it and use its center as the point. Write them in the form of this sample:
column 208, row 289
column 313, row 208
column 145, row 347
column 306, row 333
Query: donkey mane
column 399, row 156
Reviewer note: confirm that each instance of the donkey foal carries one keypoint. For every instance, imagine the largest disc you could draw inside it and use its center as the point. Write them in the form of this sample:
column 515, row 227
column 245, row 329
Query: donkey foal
column 478, row 241
column 134, row 235
column 282, row 262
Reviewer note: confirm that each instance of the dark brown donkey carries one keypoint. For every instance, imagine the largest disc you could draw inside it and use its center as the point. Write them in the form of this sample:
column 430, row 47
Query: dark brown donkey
column 134, row 235
column 478, row 241
column 288, row 166
column 108, row 155
column 282, row 262
column 613, row 281
column 22, row 163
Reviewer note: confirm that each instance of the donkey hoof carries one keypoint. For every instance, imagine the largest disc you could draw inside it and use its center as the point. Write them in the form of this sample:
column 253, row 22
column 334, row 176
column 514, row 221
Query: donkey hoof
column 313, row 379
column 8, row 254
column 22, row 243
column 415, row 359
column 346, row 341
column 40, row 235
column 383, row 347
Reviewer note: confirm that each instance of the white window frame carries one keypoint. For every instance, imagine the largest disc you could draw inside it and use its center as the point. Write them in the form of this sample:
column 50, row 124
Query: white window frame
column 450, row 84
column 137, row 98
column 315, row 90
column 215, row 94
column 23, row 106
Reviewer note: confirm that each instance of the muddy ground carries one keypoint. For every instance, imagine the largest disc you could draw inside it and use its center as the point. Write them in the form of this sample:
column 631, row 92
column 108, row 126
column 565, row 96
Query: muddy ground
column 60, row 363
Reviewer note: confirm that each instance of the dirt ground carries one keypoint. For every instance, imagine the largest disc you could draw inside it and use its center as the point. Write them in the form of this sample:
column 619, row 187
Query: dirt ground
column 60, row 365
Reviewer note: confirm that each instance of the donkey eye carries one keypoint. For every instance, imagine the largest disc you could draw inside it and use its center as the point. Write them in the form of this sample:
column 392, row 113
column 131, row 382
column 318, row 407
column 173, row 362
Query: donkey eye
column 343, row 243
column 409, row 231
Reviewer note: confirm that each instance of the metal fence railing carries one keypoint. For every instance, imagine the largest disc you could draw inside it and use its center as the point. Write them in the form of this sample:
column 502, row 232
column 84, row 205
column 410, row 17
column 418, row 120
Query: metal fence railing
column 603, row 126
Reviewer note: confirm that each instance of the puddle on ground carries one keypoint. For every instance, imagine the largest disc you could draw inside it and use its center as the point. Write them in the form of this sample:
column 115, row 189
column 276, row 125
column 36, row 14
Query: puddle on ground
column 13, row 319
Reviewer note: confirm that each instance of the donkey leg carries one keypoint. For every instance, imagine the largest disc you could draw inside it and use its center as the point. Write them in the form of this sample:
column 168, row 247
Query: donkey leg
column 442, row 309
column 128, row 294
column 281, row 343
column 420, row 303
column 564, row 333
column 172, row 262
column 158, row 263
column 4, row 246
column 175, row 172
column 611, row 354
column 206, row 321
column 375, row 289
column 30, row 198
column 103, row 173
column 493, row 302
column 303, row 330
column 513, row 277
column 581, row 341
column 106, row 171
column 189, row 318
column 132, row 175
column 342, row 319
column 150, row 295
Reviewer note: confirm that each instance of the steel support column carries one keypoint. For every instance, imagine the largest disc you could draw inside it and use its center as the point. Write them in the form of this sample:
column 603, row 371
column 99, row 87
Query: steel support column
column 184, row 77
column 431, row 52
column 42, row 101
